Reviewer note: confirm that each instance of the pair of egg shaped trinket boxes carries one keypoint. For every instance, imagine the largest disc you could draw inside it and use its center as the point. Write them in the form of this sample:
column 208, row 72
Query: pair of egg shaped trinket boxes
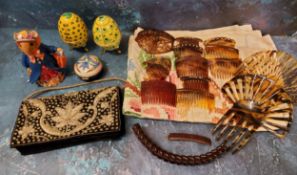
column 74, row 32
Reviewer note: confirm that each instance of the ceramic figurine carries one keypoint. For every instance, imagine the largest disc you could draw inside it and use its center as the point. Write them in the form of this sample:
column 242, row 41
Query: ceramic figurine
column 45, row 64
column 88, row 67
column 73, row 30
column 106, row 33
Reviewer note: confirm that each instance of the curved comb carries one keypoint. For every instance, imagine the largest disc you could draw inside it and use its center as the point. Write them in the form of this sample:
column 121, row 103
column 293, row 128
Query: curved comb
column 154, row 41
column 221, row 41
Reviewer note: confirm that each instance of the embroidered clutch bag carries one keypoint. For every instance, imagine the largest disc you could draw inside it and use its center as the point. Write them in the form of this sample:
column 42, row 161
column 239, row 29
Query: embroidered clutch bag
column 57, row 121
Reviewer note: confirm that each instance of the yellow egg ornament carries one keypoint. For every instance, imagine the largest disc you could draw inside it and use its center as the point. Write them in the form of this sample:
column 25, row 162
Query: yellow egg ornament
column 106, row 33
column 73, row 30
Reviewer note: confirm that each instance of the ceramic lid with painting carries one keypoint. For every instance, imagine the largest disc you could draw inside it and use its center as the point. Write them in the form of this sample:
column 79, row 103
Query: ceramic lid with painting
column 88, row 67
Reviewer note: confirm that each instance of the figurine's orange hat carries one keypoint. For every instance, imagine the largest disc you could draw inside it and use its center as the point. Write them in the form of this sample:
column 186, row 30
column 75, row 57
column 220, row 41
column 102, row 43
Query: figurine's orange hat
column 26, row 35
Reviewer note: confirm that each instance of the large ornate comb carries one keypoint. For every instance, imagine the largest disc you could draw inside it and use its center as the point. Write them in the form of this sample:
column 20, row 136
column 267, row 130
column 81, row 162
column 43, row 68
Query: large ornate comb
column 276, row 65
column 258, row 102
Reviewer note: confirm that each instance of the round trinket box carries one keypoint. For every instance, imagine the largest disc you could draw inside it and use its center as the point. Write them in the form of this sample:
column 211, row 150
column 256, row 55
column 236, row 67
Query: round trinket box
column 88, row 67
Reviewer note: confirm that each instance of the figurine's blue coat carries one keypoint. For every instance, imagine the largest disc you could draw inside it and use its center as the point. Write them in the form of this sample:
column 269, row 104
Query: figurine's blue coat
column 48, row 61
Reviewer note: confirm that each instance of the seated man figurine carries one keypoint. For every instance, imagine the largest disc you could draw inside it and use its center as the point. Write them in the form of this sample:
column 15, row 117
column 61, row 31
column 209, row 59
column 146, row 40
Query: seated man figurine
column 45, row 64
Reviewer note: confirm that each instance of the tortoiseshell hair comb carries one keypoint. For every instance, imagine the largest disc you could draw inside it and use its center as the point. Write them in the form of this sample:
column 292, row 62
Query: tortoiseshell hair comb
column 158, row 92
column 155, row 41
column 157, row 68
column 187, row 51
column 187, row 100
column 196, row 84
column 222, row 70
column 220, row 41
column 216, row 51
column 192, row 67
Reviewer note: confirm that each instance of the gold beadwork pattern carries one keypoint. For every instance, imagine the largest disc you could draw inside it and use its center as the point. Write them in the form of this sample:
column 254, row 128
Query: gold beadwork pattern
column 69, row 115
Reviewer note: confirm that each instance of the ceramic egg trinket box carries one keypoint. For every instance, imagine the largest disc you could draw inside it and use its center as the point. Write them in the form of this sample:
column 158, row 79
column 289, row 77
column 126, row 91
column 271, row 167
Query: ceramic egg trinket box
column 88, row 67
column 73, row 30
column 106, row 33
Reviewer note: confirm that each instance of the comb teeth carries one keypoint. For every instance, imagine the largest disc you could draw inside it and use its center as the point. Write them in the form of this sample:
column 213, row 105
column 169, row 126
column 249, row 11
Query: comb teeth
column 222, row 70
column 187, row 51
column 158, row 92
column 258, row 102
column 195, row 84
column 192, row 67
column 226, row 63
column 215, row 51
column 221, row 41
column 276, row 65
column 263, row 64
column 189, row 99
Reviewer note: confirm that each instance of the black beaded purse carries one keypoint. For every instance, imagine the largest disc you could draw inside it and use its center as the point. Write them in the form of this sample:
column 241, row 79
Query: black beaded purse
column 52, row 122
